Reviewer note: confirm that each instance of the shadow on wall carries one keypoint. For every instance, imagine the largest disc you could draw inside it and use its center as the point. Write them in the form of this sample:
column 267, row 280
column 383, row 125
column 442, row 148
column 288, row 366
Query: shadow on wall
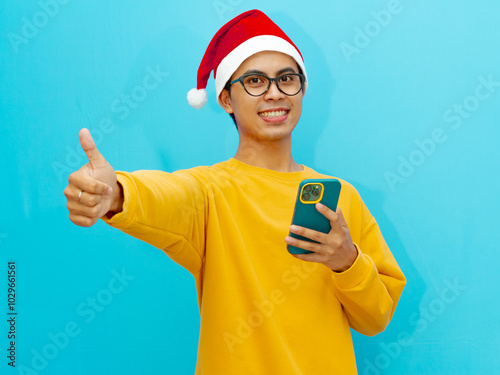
column 376, row 354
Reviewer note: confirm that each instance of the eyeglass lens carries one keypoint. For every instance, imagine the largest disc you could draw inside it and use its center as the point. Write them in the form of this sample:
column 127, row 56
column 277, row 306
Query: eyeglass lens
column 257, row 85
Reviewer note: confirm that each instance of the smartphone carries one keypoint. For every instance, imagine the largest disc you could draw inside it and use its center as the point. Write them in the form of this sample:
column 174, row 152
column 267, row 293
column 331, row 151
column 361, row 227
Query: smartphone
column 312, row 191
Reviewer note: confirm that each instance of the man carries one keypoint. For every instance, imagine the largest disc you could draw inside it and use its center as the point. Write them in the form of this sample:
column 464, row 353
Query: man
column 263, row 310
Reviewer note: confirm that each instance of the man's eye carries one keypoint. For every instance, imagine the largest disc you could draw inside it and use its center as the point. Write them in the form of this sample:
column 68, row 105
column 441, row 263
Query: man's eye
column 286, row 79
column 254, row 80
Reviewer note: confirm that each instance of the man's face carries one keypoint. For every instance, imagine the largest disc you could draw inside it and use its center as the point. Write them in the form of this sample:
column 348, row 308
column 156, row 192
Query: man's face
column 269, row 117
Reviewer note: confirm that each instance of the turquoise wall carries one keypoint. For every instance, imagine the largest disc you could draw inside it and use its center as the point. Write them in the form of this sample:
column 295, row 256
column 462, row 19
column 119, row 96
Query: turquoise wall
column 403, row 102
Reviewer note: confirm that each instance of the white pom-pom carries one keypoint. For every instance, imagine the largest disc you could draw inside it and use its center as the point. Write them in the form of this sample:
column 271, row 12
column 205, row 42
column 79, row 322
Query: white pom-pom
column 197, row 98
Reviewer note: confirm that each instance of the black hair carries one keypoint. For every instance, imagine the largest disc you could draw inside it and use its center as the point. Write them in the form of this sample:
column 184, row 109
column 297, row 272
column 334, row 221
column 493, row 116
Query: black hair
column 228, row 88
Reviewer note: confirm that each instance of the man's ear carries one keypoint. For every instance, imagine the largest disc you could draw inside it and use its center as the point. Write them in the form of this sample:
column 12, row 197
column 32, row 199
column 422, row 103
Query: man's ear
column 226, row 101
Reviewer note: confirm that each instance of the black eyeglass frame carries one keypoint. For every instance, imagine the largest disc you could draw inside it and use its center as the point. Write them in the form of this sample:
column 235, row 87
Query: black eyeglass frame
column 270, row 81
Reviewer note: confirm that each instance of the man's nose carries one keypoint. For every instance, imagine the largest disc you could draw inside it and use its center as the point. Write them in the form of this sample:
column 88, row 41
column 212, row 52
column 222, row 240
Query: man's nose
column 273, row 93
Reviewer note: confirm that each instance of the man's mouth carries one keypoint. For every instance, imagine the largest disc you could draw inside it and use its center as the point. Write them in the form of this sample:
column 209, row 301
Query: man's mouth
column 274, row 113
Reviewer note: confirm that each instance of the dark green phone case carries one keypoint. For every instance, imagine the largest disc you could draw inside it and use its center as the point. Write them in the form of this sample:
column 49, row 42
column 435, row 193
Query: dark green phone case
column 306, row 215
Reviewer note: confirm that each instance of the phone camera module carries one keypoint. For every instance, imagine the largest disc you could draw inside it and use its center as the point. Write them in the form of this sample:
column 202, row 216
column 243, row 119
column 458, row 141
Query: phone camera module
column 311, row 192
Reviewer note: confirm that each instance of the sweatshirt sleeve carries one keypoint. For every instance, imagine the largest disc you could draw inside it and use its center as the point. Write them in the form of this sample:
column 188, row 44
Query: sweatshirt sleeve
column 370, row 289
column 166, row 210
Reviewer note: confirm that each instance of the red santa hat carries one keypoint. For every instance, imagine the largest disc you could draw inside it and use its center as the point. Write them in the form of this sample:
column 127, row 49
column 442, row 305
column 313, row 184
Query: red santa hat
column 247, row 34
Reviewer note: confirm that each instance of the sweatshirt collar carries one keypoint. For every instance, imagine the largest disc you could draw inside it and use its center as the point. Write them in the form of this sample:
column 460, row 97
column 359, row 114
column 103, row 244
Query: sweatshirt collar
column 299, row 175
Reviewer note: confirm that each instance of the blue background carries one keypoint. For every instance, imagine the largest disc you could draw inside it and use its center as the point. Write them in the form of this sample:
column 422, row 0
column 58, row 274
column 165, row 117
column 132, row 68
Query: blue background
column 381, row 111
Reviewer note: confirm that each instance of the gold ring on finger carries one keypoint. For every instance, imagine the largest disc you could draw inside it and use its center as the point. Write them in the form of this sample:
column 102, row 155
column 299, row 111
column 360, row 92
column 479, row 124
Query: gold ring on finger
column 80, row 195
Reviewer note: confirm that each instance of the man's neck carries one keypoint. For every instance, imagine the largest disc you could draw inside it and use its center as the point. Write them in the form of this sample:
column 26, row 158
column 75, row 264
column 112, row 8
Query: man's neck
column 276, row 156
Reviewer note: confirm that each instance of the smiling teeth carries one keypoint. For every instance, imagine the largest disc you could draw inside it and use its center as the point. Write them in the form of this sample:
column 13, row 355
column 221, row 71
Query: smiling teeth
column 272, row 114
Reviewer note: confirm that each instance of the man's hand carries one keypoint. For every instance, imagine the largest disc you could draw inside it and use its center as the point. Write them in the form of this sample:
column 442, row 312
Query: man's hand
column 93, row 190
column 335, row 249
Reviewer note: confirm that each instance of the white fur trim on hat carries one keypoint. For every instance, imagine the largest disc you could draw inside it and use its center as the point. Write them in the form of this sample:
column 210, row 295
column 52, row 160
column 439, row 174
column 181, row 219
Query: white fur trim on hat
column 197, row 98
column 248, row 48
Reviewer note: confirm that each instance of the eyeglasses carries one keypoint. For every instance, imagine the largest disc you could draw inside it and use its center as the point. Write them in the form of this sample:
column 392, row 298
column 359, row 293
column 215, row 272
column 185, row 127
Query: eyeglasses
column 257, row 84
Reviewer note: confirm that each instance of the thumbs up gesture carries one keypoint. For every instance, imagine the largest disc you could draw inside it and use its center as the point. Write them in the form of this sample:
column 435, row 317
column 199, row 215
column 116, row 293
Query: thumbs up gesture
column 93, row 190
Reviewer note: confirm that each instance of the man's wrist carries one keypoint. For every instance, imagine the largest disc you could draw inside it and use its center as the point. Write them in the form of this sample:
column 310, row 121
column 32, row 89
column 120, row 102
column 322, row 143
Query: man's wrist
column 117, row 205
column 354, row 256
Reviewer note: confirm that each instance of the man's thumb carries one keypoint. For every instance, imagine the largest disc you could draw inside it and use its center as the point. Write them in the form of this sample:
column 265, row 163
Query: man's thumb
column 95, row 158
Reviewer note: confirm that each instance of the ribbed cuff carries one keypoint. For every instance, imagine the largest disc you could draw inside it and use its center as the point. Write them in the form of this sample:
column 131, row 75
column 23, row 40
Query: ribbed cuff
column 123, row 218
column 354, row 275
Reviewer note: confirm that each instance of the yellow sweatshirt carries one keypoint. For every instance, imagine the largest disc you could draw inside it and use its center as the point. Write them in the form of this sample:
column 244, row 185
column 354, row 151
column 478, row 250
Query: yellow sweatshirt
column 263, row 311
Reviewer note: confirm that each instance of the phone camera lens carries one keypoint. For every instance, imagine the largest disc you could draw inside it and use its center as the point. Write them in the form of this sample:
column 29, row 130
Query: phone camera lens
column 315, row 193
column 306, row 196
column 308, row 188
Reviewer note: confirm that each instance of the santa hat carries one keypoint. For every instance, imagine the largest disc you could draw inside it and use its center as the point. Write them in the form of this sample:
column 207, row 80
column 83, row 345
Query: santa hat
column 249, row 33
